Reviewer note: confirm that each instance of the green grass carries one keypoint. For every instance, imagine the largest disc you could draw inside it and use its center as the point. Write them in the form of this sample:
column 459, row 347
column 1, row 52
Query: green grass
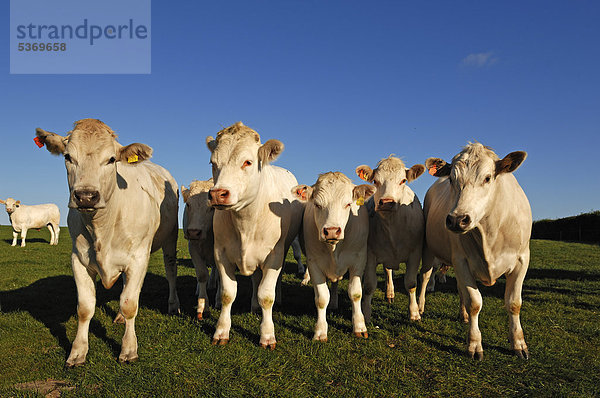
column 560, row 317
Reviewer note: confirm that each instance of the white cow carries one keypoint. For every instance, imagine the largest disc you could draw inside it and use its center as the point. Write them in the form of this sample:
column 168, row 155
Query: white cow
column 396, row 228
column 122, row 208
column 255, row 221
column 198, row 230
column 23, row 217
column 336, row 230
column 479, row 220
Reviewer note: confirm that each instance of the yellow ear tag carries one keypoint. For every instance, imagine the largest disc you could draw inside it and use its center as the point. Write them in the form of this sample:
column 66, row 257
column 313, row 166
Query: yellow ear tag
column 360, row 201
column 132, row 159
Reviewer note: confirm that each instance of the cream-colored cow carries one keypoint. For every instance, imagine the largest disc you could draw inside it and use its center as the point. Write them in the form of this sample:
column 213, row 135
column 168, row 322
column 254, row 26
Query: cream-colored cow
column 479, row 220
column 336, row 230
column 395, row 228
column 23, row 218
column 122, row 207
column 255, row 221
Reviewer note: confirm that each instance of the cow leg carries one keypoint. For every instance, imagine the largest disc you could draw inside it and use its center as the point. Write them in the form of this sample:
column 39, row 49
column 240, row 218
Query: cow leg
column 473, row 302
column 298, row 256
column 355, row 295
column 410, row 284
column 86, row 305
column 333, row 301
column 170, row 260
column 256, row 278
column 228, row 293
column 266, row 298
column 56, row 233
column 51, row 233
column 389, row 284
column 129, row 303
column 463, row 315
column 201, row 278
column 305, row 278
column 278, row 292
column 23, row 236
column 426, row 270
column 15, row 235
column 213, row 279
column 321, row 301
column 215, row 274
column 370, row 284
column 512, row 301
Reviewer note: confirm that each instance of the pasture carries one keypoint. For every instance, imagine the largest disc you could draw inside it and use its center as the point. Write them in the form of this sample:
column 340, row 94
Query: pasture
column 560, row 317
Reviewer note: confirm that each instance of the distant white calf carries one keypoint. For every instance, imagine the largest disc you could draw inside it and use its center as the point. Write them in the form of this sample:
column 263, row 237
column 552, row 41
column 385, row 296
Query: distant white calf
column 336, row 229
column 396, row 228
column 23, row 217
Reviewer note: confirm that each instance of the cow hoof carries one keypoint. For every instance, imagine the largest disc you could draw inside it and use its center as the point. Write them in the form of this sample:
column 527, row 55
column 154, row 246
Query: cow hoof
column 390, row 300
column 199, row 316
column 73, row 363
column 321, row 338
column 478, row 355
column 361, row 335
column 415, row 317
column 522, row 354
column 128, row 358
column 270, row 346
column 119, row 318
column 220, row 341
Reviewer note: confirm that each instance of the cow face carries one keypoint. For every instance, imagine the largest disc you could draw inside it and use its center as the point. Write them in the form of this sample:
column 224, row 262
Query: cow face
column 237, row 158
column 333, row 198
column 91, row 154
column 11, row 204
column 198, row 213
column 390, row 178
column 473, row 177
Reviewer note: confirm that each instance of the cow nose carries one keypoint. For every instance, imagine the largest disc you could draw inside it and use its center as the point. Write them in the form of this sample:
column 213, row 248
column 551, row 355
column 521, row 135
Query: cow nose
column 458, row 223
column 194, row 234
column 218, row 196
column 332, row 232
column 86, row 198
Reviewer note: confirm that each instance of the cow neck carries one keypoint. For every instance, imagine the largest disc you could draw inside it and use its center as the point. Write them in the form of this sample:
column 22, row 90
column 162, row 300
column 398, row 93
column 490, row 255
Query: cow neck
column 101, row 224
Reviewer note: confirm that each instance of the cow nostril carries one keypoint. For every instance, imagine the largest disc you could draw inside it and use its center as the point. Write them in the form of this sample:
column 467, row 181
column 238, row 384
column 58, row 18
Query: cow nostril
column 325, row 232
column 448, row 221
column 465, row 220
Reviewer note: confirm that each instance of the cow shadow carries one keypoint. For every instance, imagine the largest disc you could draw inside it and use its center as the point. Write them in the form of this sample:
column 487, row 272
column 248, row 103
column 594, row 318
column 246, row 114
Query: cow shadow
column 561, row 274
column 27, row 240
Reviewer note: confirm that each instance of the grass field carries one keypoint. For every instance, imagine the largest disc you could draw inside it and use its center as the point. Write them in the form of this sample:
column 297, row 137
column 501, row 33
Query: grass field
column 560, row 317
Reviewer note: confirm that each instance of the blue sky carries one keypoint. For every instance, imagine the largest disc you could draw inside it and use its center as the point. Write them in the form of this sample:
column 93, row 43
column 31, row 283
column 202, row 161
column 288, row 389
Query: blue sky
column 340, row 83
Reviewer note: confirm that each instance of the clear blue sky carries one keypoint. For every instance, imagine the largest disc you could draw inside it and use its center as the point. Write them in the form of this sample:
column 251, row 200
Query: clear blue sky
column 341, row 83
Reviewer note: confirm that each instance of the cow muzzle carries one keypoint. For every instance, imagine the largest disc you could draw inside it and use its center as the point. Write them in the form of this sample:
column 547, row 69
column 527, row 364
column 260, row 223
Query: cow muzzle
column 219, row 197
column 193, row 234
column 86, row 200
column 459, row 223
column 386, row 204
column 331, row 234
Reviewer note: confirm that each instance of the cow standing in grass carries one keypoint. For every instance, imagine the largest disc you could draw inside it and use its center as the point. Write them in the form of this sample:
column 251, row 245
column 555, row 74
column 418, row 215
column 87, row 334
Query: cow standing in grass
column 122, row 207
column 255, row 221
column 336, row 230
column 479, row 220
column 23, row 218
column 395, row 229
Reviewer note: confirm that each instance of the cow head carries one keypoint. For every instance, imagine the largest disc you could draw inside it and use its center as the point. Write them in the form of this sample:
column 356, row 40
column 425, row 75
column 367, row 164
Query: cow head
column 390, row 178
column 11, row 204
column 91, row 154
column 198, row 213
column 237, row 158
column 473, row 176
column 333, row 197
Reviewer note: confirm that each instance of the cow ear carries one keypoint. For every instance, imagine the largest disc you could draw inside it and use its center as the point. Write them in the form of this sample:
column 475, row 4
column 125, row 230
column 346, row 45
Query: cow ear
column 362, row 192
column 270, row 151
column 185, row 193
column 511, row 162
column 438, row 167
column 414, row 172
column 134, row 153
column 54, row 143
column 2, row 202
column 302, row 192
column 18, row 202
column 365, row 173
column 211, row 143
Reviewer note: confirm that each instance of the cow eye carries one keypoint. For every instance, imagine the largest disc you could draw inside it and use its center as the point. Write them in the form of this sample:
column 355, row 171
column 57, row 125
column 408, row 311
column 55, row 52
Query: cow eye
column 487, row 179
column 376, row 182
column 112, row 160
column 247, row 163
column 403, row 181
column 318, row 206
column 68, row 157
column 348, row 205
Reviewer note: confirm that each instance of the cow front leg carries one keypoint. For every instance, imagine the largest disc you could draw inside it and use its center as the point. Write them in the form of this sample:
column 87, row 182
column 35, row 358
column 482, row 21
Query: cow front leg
column 355, row 295
column 410, row 284
column 15, row 235
column 86, row 305
column 51, row 234
column 389, row 284
column 202, row 279
column 512, row 302
column 321, row 302
column 473, row 302
column 370, row 284
column 170, row 260
column 129, row 304
column 256, row 278
column 426, row 271
column 228, row 293
column 266, row 298
column 23, row 236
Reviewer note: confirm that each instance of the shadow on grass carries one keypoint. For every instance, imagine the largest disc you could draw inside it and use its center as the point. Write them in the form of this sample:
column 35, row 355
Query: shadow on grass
column 561, row 274
column 27, row 240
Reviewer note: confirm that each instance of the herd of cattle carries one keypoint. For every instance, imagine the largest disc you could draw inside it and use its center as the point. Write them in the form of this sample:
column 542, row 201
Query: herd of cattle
column 123, row 207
